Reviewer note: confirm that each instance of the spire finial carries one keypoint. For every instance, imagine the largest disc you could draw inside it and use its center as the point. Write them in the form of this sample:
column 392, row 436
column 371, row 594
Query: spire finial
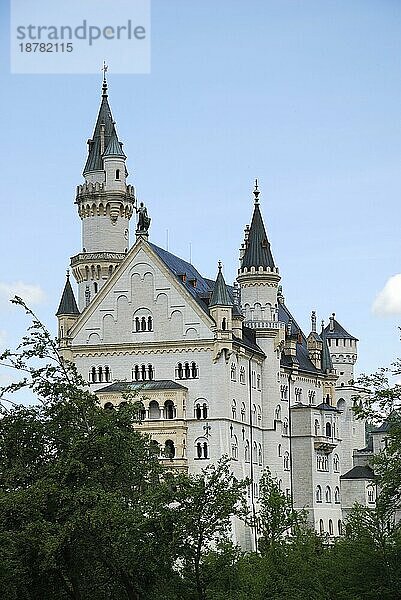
column 313, row 319
column 104, row 86
column 322, row 324
column 256, row 192
column 220, row 266
column 68, row 273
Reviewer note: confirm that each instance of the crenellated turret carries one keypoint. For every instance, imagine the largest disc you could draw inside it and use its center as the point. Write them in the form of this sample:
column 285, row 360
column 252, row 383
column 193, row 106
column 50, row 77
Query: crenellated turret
column 343, row 350
column 105, row 205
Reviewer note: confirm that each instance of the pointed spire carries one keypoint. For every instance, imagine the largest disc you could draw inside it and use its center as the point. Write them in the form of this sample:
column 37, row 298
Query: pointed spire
column 220, row 295
column 313, row 320
column 103, row 132
column 257, row 253
column 114, row 147
column 327, row 364
column 68, row 305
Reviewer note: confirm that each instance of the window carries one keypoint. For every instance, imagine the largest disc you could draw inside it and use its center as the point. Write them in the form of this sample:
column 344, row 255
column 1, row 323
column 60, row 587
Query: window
column 286, row 461
column 95, row 287
column 340, row 527
column 142, row 323
column 371, row 494
column 187, row 370
column 243, row 412
column 321, row 527
column 224, row 324
column 242, row 375
column 247, row 452
column 331, row 530
column 234, row 409
column 99, row 374
column 253, row 414
column 311, row 397
column 154, row 410
column 285, row 426
column 258, row 382
column 259, row 415
column 253, row 379
column 279, row 450
column 328, row 430
column 202, row 449
column 284, row 392
column 298, row 394
column 255, row 453
column 260, row 455
column 169, row 409
column 322, row 462
column 201, row 409
column 169, row 449
column 336, row 463
column 328, row 495
column 234, row 448
column 318, row 494
column 117, row 173
column 141, row 412
column 337, row 495
column 233, row 372
column 277, row 413
column 109, row 406
column 317, row 427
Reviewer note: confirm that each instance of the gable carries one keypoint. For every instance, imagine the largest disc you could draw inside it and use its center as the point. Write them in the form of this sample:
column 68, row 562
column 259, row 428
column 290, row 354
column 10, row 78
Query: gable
column 142, row 302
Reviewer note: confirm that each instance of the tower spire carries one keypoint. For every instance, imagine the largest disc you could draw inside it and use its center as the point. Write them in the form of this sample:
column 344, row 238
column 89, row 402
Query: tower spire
column 104, row 86
column 256, row 191
column 257, row 252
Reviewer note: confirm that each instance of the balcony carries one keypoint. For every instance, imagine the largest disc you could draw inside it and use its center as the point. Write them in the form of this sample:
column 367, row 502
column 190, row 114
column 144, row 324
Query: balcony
column 325, row 444
column 277, row 325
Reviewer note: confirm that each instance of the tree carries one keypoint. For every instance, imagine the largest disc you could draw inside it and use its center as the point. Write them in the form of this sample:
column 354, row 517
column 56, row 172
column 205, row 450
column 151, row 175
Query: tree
column 205, row 505
column 276, row 516
column 84, row 504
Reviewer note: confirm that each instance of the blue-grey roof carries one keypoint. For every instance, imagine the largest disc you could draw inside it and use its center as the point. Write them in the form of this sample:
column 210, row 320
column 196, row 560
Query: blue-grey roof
column 327, row 363
column 326, row 406
column 338, row 332
column 68, row 305
column 220, row 295
column 114, row 147
column 257, row 252
column 305, row 363
column 359, row 472
column 139, row 386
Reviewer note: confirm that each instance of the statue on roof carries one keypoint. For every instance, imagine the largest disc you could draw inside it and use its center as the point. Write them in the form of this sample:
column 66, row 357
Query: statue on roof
column 143, row 219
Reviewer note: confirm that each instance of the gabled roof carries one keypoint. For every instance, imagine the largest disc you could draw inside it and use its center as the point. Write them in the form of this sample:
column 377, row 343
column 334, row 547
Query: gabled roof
column 68, row 305
column 220, row 295
column 325, row 406
column 338, row 331
column 359, row 472
column 139, row 386
column 257, row 253
column 94, row 161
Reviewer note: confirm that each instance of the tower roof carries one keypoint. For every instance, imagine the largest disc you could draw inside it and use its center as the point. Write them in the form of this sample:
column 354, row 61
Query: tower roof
column 327, row 364
column 114, row 147
column 335, row 330
column 257, row 253
column 102, row 135
column 220, row 296
column 68, row 305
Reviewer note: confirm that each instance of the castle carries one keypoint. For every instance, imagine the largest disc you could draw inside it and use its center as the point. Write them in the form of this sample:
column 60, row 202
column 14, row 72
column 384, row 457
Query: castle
column 219, row 369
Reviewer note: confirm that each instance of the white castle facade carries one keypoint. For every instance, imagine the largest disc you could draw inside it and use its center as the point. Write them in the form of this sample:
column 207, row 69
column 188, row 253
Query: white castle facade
column 220, row 370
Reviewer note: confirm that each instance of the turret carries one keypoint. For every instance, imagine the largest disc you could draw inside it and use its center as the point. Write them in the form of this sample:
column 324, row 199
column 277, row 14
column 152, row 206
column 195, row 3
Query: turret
column 315, row 343
column 67, row 314
column 343, row 350
column 105, row 205
column 221, row 310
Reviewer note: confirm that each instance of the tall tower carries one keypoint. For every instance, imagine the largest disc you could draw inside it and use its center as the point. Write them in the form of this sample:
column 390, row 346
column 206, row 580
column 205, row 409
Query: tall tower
column 105, row 204
column 343, row 351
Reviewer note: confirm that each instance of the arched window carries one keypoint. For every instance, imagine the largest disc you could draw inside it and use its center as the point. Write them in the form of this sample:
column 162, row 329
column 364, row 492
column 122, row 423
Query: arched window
column 179, row 371
column 233, row 372
column 234, row 448
column 318, row 494
column 242, row 375
column 194, row 370
column 204, row 410
column 201, row 409
column 255, row 453
column 151, row 373
column 260, row 455
column 141, row 412
column 331, row 530
column 198, row 411
column 143, row 324
column 286, row 461
column 100, row 374
column 93, row 375
column 277, row 413
column 259, row 415
column 337, row 495
column 143, row 372
column 187, row 371
column 336, row 463
column 95, row 287
column 137, row 324
column 224, row 324
column 202, row 449
column 285, row 426
column 279, row 450
column 328, row 430
column 317, row 427
column 169, row 449
column 243, row 411
column 154, row 446
column 254, row 414
column 234, row 409
column 321, row 527
column 117, row 173
column 107, row 374
column 108, row 406
column 169, row 409
column 150, row 324
column 328, row 494
column 154, row 410
column 258, row 382
column 136, row 373
column 340, row 527
column 247, row 451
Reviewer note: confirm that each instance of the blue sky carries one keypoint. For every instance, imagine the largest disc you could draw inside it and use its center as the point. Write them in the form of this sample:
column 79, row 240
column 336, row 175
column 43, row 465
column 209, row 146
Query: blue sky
column 305, row 95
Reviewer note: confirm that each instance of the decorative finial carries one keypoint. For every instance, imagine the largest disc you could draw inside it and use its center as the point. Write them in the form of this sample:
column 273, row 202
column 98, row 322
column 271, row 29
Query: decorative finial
column 220, row 266
column 104, row 86
column 313, row 319
column 322, row 324
column 256, row 192
column 68, row 273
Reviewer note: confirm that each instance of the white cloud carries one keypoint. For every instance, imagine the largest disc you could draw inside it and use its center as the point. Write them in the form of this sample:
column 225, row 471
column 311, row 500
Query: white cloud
column 30, row 293
column 388, row 300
